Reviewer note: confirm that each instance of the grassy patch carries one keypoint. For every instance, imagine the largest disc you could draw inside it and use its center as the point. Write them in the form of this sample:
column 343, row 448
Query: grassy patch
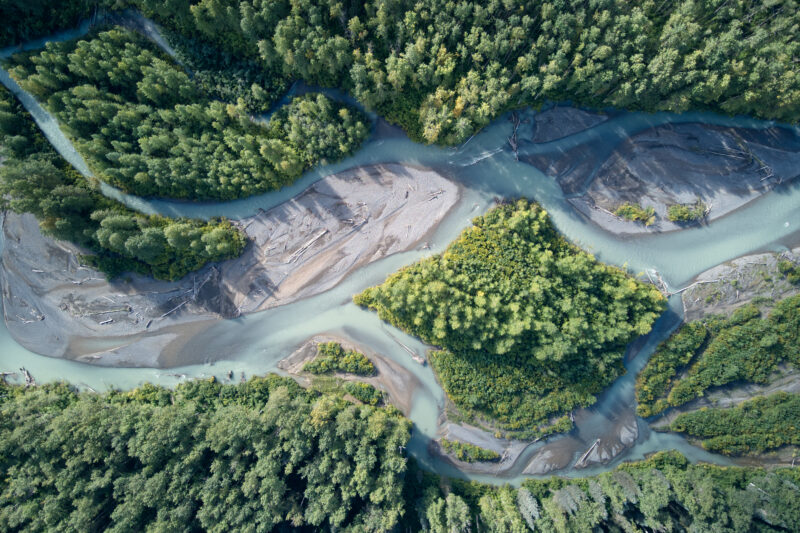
column 687, row 212
column 466, row 452
column 331, row 357
column 636, row 213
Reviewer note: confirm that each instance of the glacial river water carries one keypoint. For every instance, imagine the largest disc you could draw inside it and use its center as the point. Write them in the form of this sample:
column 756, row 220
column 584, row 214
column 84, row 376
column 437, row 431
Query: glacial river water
column 485, row 168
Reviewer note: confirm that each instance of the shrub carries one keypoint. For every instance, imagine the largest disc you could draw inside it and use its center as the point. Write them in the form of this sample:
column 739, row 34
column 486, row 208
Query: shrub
column 466, row 452
column 790, row 271
column 636, row 213
column 363, row 392
column 331, row 357
column 687, row 212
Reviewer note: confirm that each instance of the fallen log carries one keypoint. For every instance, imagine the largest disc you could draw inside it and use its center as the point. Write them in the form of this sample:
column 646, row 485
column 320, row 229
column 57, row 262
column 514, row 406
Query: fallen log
column 29, row 381
column 296, row 255
column 174, row 309
column 585, row 455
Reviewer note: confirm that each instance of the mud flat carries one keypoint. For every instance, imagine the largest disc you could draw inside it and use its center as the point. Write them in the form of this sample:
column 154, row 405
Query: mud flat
column 576, row 451
column 724, row 167
column 56, row 307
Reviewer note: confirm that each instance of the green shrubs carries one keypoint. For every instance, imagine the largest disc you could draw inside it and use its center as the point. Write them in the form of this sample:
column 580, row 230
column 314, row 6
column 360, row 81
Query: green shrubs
column 531, row 327
column 754, row 426
column 687, row 212
column 144, row 126
column 205, row 456
column 463, row 451
column 742, row 348
column 35, row 179
column 636, row 213
column 363, row 392
column 331, row 357
column 655, row 379
column 790, row 271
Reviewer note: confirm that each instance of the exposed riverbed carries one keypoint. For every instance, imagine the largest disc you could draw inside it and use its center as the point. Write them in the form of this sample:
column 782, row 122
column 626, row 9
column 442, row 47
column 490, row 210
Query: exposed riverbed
column 484, row 168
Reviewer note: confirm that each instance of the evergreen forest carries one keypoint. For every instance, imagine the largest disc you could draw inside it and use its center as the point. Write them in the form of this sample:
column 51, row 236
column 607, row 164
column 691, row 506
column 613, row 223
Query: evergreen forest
column 527, row 327
column 444, row 69
column 145, row 126
column 267, row 455
column 530, row 325
column 35, row 179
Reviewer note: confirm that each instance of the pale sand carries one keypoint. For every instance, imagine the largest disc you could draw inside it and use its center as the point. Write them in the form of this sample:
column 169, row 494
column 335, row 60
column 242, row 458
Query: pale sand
column 300, row 248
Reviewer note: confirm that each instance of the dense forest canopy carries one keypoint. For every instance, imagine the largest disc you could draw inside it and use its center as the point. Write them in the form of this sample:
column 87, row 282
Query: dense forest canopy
column 266, row 455
column 248, row 457
column 531, row 325
column 443, row 69
column 746, row 347
column 35, row 179
column 145, row 126
column 665, row 493
column 26, row 19
column 753, row 426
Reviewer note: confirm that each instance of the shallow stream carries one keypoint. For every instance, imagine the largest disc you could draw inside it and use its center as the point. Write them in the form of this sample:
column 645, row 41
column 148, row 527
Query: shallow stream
column 486, row 169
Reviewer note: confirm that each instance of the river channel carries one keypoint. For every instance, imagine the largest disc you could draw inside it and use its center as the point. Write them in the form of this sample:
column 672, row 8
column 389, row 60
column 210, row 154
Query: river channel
column 485, row 168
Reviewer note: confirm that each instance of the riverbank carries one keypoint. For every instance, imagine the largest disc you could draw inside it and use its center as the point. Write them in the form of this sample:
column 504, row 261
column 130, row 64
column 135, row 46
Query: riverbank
column 724, row 167
column 305, row 246
column 726, row 287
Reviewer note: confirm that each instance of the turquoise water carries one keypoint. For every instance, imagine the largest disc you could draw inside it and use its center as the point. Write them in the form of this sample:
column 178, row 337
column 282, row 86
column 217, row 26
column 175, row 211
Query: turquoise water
column 486, row 169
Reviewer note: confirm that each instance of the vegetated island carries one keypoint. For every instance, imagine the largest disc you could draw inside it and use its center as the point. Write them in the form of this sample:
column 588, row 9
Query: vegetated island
column 396, row 384
column 531, row 326
column 271, row 455
column 145, row 126
column 70, row 207
column 717, row 351
column 752, row 427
